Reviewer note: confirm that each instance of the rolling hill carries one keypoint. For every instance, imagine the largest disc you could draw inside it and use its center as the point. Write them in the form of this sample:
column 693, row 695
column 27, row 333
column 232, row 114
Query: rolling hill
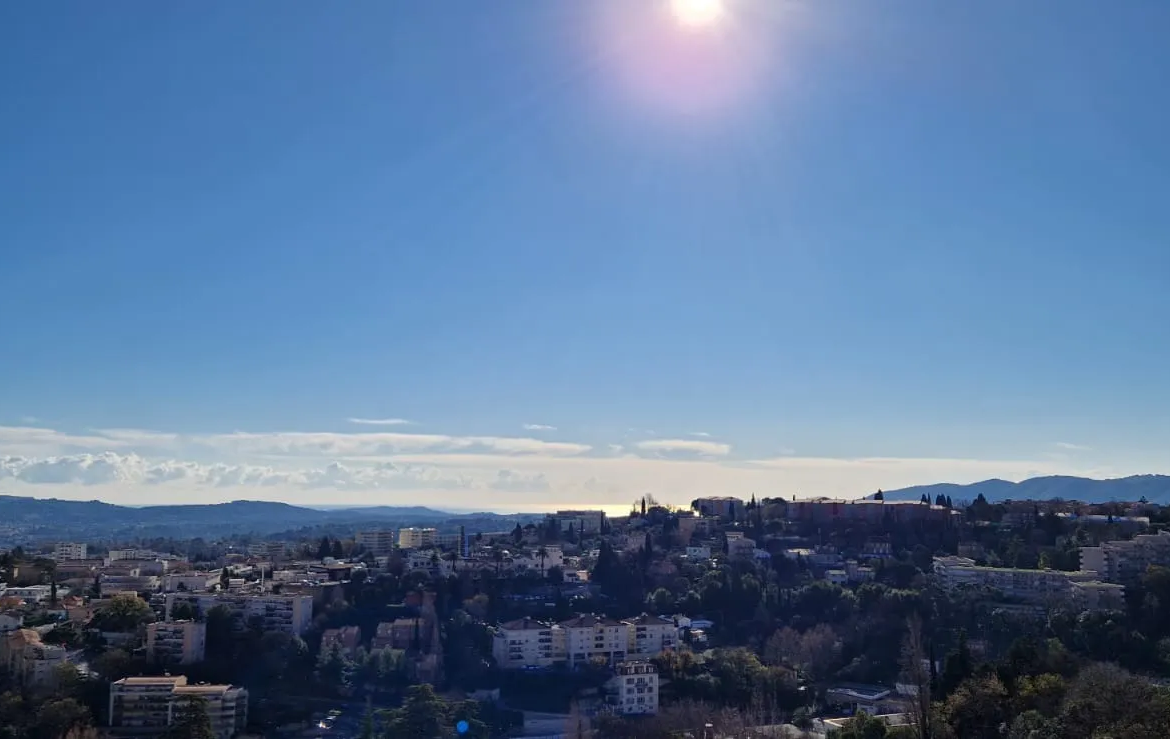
column 1154, row 488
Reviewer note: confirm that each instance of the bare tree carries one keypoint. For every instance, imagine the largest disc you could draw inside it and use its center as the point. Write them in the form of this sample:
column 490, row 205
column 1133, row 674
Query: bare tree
column 916, row 674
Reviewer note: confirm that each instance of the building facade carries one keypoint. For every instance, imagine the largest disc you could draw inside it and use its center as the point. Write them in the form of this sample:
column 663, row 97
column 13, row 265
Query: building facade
column 650, row 636
column 28, row 660
column 347, row 638
column 636, row 686
column 68, row 550
column 582, row 522
column 416, row 538
column 719, row 506
column 147, row 706
column 176, row 642
column 528, row 643
column 525, row 642
column 292, row 614
column 1082, row 588
column 378, row 542
column 874, row 512
column 1125, row 561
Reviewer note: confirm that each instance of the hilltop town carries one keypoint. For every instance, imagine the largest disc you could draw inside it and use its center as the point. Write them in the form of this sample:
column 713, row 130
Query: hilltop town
column 757, row 617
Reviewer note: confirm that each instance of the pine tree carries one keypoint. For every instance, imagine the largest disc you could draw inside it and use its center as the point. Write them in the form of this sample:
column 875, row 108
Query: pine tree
column 191, row 720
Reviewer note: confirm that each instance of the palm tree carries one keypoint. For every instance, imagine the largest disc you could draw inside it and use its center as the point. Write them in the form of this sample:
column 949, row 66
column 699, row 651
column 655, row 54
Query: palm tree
column 498, row 556
column 543, row 554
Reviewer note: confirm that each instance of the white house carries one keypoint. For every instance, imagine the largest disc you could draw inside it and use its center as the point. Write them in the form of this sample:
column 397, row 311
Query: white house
column 636, row 688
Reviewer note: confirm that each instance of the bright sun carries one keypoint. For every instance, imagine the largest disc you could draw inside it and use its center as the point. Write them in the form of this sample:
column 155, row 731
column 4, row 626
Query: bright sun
column 697, row 12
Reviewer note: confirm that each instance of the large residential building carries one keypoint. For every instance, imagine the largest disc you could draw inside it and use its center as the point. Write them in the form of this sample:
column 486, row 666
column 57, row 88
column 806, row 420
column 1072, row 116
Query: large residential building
column 530, row 643
column 583, row 522
column 68, row 550
column 146, row 706
column 416, row 538
column 269, row 550
column 119, row 554
column 378, row 542
column 30, row 593
column 292, row 614
column 719, row 506
column 588, row 637
column 875, row 512
column 650, row 636
column 1127, row 560
column 29, row 661
column 1083, row 587
column 636, row 688
column 176, row 642
column 524, row 643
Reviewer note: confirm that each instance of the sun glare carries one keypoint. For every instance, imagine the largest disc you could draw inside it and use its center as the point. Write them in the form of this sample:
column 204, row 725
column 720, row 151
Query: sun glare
column 697, row 12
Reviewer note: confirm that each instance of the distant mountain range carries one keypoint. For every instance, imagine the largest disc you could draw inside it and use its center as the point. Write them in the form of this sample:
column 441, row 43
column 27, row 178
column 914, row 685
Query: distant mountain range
column 29, row 519
column 1154, row 488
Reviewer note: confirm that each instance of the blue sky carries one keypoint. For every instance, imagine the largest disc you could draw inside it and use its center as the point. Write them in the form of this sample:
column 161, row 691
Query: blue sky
column 751, row 255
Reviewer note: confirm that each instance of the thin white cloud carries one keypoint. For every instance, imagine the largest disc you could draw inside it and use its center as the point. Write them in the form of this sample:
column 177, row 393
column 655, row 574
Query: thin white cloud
column 334, row 445
column 1071, row 447
column 520, row 482
column 112, row 468
column 691, row 446
column 538, row 427
column 381, row 421
column 502, row 473
column 701, row 434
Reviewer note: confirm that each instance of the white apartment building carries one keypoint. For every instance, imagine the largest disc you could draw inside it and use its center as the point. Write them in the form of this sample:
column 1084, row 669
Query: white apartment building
column 636, row 688
column 589, row 636
column 292, row 614
column 30, row 593
column 1082, row 586
column 378, row 542
column 31, row 662
column 120, row 554
column 176, row 642
column 146, row 706
column 524, row 643
column 1126, row 560
column 430, row 560
column 416, row 538
column 650, row 636
column 68, row 550
column 530, row 643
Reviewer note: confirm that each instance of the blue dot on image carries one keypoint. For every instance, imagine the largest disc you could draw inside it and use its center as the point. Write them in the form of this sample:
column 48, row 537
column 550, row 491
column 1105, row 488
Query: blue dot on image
column 462, row 727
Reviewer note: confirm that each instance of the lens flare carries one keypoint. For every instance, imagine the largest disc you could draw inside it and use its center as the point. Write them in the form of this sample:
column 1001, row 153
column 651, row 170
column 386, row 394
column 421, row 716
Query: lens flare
column 697, row 12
